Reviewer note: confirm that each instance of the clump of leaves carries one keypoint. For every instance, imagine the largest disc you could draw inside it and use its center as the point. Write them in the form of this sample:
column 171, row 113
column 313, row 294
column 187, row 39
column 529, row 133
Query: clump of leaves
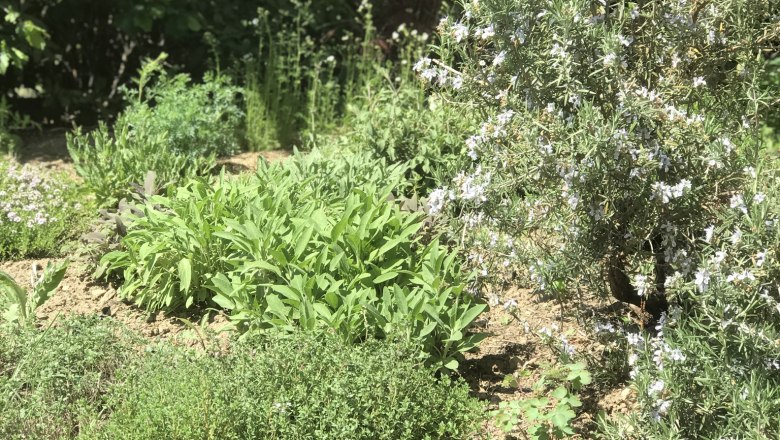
column 199, row 119
column 296, row 246
column 19, row 305
column 550, row 412
column 171, row 128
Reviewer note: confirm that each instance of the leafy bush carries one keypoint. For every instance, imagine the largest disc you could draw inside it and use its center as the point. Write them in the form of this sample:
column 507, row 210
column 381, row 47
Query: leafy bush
column 89, row 378
column 401, row 124
column 631, row 142
column 38, row 211
column 298, row 246
column 112, row 163
column 288, row 387
column 53, row 380
column 170, row 128
column 18, row 305
column 617, row 136
column 714, row 368
column 197, row 119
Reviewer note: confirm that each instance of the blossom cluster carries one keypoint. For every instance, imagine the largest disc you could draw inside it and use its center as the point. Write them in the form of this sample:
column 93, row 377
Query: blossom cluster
column 32, row 205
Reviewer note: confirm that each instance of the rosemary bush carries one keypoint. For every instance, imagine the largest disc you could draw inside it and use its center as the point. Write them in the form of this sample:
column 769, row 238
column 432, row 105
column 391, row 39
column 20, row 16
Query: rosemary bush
column 622, row 143
column 623, row 127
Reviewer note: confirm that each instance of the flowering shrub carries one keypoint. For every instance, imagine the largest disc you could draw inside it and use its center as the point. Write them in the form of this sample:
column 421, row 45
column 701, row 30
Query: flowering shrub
column 623, row 142
column 38, row 212
column 622, row 127
column 720, row 342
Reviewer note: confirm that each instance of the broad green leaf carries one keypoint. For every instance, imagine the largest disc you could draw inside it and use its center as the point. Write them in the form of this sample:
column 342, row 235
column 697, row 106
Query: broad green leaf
column 224, row 301
column 385, row 277
column 185, row 274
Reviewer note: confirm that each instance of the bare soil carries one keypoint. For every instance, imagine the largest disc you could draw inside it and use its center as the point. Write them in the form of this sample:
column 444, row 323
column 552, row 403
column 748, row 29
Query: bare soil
column 515, row 349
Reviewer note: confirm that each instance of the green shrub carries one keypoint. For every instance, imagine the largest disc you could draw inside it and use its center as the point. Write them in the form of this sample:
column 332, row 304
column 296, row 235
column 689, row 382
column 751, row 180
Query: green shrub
column 298, row 246
column 38, row 211
column 89, row 378
column 196, row 119
column 170, row 128
column 288, row 387
column 714, row 368
column 621, row 146
column 52, row 381
column 111, row 163
column 401, row 124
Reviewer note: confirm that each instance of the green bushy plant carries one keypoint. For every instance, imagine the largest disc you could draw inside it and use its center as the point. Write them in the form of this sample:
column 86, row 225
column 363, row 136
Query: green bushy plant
column 297, row 86
column 628, row 122
column 297, row 245
column 171, row 128
column 287, row 387
column 39, row 211
column 198, row 119
column 111, row 162
column 53, row 380
column 19, row 305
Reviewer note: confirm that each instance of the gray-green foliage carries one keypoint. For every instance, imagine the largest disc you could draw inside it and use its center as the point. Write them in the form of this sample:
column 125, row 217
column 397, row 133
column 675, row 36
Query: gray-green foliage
column 52, row 381
column 90, row 378
column 288, row 387
column 714, row 369
column 297, row 245
column 171, row 127
column 112, row 161
column 18, row 305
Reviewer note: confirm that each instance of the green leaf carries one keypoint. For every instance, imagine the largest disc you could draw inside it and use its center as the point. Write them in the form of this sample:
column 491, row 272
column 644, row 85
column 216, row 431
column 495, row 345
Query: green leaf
column 224, row 302
column 303, row 241
column 287, row 291
column 471, row 314
column 185, row 274
column 559, row 393
column 385, row 277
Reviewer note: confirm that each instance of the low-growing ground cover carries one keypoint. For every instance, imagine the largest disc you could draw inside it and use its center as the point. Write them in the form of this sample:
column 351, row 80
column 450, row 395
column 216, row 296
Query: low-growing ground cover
column 90, row 378
column 39, row 211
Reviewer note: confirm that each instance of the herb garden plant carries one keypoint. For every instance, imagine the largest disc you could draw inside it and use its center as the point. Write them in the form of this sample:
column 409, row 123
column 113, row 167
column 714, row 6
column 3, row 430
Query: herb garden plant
column 171, row 127
column 293, row 247
column 624, row 126
column 622, row 144
column 39, row 211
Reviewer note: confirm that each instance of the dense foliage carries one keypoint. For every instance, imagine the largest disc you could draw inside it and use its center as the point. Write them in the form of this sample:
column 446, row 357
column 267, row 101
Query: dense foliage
column 171, row 128
column 623, row 147
column 92, row 379
column 299, row 245
column 39, row 211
